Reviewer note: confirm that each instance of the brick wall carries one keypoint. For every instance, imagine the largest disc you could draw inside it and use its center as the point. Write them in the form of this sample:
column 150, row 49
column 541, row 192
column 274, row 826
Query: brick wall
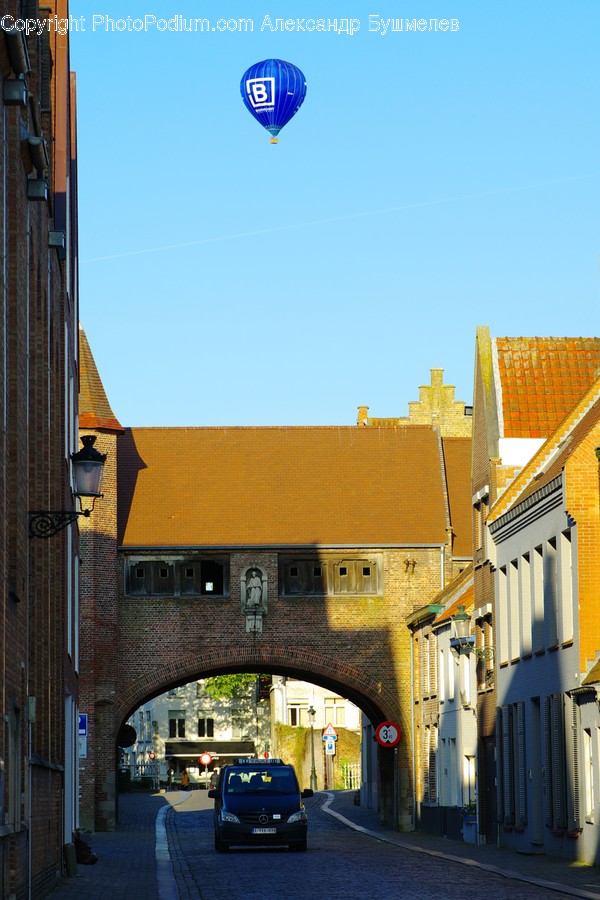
column 136, row 647
column 40, row 309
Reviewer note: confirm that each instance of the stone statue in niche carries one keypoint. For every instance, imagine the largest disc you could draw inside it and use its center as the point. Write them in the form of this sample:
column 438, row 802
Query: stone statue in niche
column 254, row 590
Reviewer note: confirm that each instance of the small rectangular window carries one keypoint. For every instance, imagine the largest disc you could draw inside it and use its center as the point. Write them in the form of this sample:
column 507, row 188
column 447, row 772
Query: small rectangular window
column 139, row 572
column 206, row 728
column 317, row 571
column 343, row 570
column 366, row 570
column 294, row 571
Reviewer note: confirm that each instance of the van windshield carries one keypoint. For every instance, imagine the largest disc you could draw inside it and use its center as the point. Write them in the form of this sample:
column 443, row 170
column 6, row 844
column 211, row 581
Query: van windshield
column 247, row 780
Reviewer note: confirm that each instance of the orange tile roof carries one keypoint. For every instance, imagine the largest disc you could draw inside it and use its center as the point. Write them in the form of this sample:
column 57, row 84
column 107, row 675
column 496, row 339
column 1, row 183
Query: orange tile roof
column 94, row 408
column 328, row 486
column 552, row 456
column 457, row 456
column 540, row 379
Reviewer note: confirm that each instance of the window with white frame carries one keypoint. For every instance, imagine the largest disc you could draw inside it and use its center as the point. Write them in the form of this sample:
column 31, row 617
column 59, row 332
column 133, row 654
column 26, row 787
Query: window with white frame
column 588, row 774
column 335, row 711
column 525, row 604
column 537, row 600
column 176, row 723
column 550, row 594
column 206, row 727
column 514, row 650
column 502, row 623
column 566, row 587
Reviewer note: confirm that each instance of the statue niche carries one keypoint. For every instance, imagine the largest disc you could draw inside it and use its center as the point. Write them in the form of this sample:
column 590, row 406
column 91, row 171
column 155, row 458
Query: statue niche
column 254, row 591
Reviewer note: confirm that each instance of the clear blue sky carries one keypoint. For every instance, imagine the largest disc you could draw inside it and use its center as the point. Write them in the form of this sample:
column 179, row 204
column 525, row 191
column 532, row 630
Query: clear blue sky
column 430, row 183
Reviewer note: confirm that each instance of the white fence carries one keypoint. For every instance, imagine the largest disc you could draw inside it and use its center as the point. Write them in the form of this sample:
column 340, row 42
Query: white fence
column 351, row 776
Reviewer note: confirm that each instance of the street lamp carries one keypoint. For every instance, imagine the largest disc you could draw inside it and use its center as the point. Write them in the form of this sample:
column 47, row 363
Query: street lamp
column 464, row 642
column 88, row 466
column 313, row 772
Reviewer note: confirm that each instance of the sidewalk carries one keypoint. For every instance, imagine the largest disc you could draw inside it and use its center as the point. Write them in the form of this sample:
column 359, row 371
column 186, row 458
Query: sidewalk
column 126, row 866
column 133, row 861
column 550, row 872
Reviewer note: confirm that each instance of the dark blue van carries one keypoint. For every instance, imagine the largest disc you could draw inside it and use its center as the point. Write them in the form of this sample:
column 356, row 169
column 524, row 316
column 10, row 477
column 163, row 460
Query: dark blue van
column 258, row 802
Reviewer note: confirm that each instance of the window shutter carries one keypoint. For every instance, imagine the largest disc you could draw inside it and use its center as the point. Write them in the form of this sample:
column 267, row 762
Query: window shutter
column 425, row 764
column 573, row 763
column 433, row 664
column 558, row 763
column 508, row 766
column 547, row 748
column 521, row 766
column 499, row 767
column 423, row 663
column 433, row 764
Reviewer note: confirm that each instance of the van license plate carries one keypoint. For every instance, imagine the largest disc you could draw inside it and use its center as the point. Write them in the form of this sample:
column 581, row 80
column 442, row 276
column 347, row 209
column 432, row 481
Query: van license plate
column 264, row 831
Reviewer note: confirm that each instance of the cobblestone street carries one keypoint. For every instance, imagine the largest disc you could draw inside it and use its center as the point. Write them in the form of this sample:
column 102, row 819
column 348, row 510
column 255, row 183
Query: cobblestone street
column 353, row 863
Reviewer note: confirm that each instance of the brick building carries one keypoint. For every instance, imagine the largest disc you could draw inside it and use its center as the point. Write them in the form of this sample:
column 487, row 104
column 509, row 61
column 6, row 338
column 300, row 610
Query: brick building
column 544, row 538
column 286, row 551
column 523, row 389
column 38, row 397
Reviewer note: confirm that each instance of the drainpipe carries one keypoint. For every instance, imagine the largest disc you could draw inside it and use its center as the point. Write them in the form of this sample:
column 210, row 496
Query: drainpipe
column 412, row 728
column 30, row 611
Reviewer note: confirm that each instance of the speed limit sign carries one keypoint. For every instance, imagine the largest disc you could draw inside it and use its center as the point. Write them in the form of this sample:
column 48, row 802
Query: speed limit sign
column 388, row 734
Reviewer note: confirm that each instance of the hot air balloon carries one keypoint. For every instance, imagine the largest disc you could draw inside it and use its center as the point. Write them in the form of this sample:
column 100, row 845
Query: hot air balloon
column 273, row 91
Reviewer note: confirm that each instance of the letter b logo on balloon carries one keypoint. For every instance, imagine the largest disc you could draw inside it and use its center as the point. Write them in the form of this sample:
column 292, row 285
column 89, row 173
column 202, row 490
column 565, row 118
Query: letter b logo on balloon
column 261, row 92
column 273, row 91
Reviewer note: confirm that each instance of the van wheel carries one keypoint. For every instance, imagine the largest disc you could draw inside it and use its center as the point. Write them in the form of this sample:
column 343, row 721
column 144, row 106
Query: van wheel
column 220, row 845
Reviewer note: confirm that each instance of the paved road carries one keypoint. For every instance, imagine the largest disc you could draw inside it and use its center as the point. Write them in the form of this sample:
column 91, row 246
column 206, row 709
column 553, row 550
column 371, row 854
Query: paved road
column 341, row 864
column 164, row 850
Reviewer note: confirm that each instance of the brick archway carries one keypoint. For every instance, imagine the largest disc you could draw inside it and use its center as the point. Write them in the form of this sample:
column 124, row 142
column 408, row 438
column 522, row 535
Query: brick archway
column 375, row 700
column 350, row 529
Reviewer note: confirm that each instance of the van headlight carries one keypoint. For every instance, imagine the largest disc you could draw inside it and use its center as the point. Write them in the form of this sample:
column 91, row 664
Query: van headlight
column 299, row 816
column 229, row 817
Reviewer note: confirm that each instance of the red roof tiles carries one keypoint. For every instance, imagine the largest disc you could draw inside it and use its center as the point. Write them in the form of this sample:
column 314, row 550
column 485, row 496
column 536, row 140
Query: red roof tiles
column 94, row 408
column 541, row 379
column 337, row 486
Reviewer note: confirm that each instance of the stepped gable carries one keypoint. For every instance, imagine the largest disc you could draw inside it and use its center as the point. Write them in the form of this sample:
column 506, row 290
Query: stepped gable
column 95, row 412
column 283, row 486
column 540, row 379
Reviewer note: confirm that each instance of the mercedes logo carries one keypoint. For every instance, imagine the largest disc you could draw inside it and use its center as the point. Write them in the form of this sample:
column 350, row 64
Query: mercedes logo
column 263, row 819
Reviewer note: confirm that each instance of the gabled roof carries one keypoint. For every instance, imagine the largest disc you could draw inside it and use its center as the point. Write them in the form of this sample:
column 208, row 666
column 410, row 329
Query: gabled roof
column 457, row 456
column 550, row 459
column 94, row 408
column 237, row 487
column 539, row 380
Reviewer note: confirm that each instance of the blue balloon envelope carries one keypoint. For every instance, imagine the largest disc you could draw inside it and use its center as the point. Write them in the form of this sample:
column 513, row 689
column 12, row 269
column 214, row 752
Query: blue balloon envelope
column 273, row 91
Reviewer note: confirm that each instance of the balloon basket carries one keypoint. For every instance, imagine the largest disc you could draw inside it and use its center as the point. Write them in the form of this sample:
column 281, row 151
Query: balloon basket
column 273, row 141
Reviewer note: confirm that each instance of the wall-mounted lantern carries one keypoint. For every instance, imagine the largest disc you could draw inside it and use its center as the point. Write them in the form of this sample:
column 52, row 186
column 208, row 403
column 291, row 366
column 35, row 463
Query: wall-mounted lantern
column 463, row 641
column 88, row 467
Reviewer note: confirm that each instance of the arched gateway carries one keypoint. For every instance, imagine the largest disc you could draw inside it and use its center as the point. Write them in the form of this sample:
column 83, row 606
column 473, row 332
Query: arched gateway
column 297, row 551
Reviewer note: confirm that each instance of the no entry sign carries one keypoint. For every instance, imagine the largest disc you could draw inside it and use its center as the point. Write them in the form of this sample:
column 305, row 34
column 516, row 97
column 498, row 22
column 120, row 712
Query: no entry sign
column 388, row 734
column 205, row 759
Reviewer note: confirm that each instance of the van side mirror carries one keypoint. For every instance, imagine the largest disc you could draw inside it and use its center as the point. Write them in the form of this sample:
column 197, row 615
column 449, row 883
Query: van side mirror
column 307, row 792
column 212, row 793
